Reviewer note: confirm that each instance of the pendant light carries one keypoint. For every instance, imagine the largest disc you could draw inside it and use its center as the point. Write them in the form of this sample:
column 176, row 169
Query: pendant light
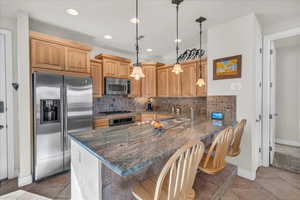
column 200, row 81
column 137, row 72
column 177, row 67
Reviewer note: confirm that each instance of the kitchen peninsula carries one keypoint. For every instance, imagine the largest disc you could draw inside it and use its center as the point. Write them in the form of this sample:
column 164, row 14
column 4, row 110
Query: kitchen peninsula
column 107, row 162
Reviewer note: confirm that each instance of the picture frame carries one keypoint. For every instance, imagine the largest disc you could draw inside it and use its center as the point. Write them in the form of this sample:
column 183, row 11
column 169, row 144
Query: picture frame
column 227, row 68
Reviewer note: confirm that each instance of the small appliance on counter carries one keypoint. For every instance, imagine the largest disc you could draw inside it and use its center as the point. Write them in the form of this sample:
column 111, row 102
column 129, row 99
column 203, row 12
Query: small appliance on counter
column 217, row 118
column 149, row 106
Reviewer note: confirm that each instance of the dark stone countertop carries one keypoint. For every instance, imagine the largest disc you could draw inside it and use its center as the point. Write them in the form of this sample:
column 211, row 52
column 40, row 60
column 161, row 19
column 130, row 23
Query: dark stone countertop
column 130, row 148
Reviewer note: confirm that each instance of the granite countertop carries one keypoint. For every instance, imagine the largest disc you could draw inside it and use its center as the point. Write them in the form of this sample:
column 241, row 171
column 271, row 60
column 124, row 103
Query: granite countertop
column 128, row 149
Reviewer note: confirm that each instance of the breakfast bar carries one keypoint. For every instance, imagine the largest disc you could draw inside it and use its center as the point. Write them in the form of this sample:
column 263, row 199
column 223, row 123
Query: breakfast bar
column 107, row 162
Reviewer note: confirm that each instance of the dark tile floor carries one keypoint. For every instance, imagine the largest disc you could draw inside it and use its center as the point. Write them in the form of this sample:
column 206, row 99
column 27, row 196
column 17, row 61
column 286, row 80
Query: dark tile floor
column 271, row 184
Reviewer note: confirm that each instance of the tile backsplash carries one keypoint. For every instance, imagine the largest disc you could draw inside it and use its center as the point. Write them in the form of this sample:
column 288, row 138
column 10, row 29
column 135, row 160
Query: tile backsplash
column 200, row 105
column 224, row 104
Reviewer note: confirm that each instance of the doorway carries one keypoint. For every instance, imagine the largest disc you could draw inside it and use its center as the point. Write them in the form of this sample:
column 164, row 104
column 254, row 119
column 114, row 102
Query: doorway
column 3, row 114
column 281, row 137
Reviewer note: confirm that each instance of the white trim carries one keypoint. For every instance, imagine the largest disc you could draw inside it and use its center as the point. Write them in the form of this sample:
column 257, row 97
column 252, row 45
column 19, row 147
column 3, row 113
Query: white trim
column 288, row 142
column 9, row 103
column 251, row 175
column 24, row 180
column 266, row 94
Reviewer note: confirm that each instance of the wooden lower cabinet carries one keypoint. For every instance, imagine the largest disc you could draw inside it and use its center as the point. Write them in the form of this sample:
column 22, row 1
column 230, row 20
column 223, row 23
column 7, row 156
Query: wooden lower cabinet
column 162, row 82
column 148, row 117
column 97, row 76
column 101, row 123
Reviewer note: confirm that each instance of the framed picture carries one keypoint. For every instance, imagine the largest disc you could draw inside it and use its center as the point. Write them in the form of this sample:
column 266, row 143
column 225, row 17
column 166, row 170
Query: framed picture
column 228, row 68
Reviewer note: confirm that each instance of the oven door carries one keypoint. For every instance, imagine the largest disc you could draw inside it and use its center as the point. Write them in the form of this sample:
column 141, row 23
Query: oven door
column 116, row 87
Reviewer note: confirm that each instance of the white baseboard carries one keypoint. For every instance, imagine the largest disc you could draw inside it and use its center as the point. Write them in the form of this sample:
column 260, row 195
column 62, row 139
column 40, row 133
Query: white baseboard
column 247, row 174
column 288, row 142
column 22, row 181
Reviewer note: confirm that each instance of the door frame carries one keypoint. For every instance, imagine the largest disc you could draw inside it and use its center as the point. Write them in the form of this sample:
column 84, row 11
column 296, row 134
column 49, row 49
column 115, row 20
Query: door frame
column 267, row 81
column 10, row 104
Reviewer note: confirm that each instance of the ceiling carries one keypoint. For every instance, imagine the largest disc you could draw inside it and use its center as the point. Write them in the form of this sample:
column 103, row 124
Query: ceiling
column 288, row 42
column 100, row 17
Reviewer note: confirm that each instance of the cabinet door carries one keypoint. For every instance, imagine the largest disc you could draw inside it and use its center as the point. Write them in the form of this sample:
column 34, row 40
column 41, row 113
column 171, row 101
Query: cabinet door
column 97, row 76
column 77, row 60
column 47, row 55
column 202, row 92
column 123, row 70
column 174, row 84
column 110, row 68
column 135, row 88
column 162, row 82
column 148, row 117
column 188, row 80
column 149, row 82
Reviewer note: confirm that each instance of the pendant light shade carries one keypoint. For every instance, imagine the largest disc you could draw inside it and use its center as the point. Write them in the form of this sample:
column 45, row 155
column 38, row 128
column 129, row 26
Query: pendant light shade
column 200, row 82
column 177, row 69
column 137, row 72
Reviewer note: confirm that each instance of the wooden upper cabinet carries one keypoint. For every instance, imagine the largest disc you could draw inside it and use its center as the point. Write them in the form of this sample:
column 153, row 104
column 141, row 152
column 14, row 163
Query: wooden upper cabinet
column 97, row 76
column 174, row 83
column 114, row 66
column 77, row 61
column 47, row 55
column 57, row 55
column 202, row 92
column 188, row 79
column 135, row 86
column 162, row 82
column 123, row 70
column 149, row 83
column 110, row 67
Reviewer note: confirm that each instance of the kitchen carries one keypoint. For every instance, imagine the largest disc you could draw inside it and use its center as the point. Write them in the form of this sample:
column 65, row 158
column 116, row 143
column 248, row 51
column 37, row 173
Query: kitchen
column 104, row 105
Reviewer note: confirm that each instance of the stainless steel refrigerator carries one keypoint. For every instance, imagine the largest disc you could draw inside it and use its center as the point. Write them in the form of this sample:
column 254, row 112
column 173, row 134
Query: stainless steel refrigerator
column 62, row 105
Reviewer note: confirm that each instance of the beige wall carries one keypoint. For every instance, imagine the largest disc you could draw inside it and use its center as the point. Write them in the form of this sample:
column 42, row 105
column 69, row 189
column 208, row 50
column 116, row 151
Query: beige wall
column 11, row 25
column 234, row 38
column 288, row 95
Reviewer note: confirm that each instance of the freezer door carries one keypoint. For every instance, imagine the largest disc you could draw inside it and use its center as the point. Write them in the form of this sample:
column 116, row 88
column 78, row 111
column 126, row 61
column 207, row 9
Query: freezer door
column 78, row 109
column 48, row 129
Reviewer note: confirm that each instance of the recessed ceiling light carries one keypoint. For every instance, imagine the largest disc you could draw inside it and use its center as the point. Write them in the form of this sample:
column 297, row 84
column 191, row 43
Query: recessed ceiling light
column 177, row 40
column 71, row 11
column 149, row 50
column 134, row 20
column 108, row 37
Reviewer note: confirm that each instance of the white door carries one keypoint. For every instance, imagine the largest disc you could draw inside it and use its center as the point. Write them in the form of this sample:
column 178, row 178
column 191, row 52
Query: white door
column 3, row 130
column 259, row 99
column 273, row 112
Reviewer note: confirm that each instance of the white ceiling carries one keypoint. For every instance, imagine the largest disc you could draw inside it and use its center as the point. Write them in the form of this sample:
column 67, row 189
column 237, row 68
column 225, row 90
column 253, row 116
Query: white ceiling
column 100, row 17
column 288, row 42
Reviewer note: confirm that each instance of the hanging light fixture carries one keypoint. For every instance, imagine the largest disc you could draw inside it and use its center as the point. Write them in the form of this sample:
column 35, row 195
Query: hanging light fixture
column 177, row 67
column 200, row 81
column 137, row 72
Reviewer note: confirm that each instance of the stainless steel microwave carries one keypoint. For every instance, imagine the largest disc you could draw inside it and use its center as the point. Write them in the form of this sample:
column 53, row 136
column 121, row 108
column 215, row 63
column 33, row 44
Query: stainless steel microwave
column 116, row 86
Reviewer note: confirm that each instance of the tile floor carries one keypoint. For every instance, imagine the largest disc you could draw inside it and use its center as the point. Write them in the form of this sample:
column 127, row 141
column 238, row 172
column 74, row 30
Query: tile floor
column 271, row 184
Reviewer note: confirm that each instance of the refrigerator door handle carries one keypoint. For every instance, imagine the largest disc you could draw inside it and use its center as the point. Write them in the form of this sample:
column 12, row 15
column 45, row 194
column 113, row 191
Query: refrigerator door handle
column 62, row 111
column 65, row 135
